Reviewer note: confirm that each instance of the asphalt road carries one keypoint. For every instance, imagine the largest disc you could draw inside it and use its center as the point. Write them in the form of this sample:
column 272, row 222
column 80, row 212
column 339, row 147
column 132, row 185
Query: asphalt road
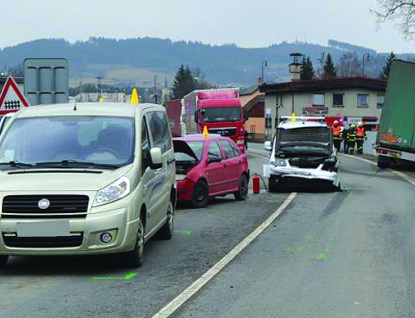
column 343, row 254
column 336, row 254
column 96, row 287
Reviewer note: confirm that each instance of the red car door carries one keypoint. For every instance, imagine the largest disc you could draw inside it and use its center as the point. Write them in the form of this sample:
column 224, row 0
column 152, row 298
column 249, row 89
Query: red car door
column 215, row 170
column 234, row 165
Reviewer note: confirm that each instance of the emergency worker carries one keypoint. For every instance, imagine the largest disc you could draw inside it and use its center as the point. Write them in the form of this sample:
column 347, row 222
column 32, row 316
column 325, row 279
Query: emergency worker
column 360, row 137
column 337, row 135
column 351, row 138
column 345, row 134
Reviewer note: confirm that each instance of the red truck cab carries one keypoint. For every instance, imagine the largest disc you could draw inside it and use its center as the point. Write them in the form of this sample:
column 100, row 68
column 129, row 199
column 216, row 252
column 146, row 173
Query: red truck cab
column 222, row 113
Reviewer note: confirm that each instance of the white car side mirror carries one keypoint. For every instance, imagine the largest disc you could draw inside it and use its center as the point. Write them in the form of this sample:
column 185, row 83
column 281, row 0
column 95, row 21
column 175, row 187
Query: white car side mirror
column 156, row 158
column 267, row 145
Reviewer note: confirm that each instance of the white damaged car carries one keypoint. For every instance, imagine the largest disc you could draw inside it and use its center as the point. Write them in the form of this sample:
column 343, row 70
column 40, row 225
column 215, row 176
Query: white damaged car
column 302, row 155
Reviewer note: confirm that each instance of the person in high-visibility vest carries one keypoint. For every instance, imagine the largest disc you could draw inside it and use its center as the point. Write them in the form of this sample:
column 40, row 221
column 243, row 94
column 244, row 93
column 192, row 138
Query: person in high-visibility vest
column 337, row 135
column 351, row 138
column 360, row 137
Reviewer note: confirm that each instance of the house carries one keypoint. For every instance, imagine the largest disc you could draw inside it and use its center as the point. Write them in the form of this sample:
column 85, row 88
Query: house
column 254, row 102
column 107, row 97
column 351, row 99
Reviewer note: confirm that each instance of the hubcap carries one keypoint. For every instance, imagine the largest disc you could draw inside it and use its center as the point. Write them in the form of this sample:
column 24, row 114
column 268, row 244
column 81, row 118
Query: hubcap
column 140, row 238
column 170, row 217
column 200, row 193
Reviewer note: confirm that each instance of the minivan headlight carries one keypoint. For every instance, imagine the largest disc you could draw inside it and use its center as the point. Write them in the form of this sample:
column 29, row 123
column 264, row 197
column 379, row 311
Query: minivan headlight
column 279, row 162
column 115, row 191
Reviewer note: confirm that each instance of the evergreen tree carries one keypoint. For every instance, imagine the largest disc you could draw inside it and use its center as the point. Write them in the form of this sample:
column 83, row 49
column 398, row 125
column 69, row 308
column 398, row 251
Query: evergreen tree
column 329, row 70
column 184, row 83
column 384, row 74
column 307, row 69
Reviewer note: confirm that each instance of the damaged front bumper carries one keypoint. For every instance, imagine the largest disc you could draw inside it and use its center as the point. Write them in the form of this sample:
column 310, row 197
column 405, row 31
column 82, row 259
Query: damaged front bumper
column 293, row 176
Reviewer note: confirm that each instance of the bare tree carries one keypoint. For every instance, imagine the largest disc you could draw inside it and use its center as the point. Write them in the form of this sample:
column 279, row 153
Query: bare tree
column 348, row 65
column 401, row 11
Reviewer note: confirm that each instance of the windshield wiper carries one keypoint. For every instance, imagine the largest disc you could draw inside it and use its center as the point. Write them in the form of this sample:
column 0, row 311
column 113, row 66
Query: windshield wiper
column 16, row 164
column 71, row 163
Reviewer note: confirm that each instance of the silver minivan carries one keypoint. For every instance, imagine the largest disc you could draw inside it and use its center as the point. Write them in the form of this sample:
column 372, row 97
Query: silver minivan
column 86, row 178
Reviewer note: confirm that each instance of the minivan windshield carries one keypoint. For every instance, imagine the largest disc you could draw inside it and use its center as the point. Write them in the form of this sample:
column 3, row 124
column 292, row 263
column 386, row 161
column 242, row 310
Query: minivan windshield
column 99, row 140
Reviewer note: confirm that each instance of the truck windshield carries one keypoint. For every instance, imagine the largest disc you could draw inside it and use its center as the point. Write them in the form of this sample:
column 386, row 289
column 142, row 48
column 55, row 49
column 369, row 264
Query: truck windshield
column 93, row 139
column 211, row 115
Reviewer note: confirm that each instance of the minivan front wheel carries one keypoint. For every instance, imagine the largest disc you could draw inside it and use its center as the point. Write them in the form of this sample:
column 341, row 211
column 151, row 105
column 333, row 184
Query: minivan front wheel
column 3, row 260
column 134, row 258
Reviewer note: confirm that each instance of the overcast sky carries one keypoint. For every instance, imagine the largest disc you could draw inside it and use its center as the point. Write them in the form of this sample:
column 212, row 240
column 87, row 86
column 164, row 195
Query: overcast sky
column 248, row 23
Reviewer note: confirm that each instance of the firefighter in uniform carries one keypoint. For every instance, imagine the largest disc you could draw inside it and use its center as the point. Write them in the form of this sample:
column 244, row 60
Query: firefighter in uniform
column 351, row 138
column 360, row 137
column 337, row 135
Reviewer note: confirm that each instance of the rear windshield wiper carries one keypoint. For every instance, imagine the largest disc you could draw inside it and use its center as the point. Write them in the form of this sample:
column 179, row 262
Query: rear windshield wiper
column 17, row 164
column 71, row 163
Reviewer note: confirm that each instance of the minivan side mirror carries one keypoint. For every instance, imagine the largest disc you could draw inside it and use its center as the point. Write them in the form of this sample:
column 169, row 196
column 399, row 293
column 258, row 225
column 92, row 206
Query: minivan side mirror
column 267, row 145
column 156, row 158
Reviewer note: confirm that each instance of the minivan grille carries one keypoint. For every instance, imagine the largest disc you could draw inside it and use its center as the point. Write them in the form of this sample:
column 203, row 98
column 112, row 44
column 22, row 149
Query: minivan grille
column 61, row 206
column 59, row 241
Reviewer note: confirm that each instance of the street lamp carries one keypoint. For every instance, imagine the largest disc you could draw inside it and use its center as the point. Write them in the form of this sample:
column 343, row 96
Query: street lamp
column 264, row 63
column 365, row 57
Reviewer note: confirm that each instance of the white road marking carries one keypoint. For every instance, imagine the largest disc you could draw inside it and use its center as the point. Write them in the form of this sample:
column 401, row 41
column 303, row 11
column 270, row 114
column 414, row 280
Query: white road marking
column 398, row 173
column 176, row 303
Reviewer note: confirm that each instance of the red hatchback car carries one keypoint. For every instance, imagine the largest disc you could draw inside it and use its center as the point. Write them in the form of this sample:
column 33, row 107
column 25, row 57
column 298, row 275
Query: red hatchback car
column 209, row 166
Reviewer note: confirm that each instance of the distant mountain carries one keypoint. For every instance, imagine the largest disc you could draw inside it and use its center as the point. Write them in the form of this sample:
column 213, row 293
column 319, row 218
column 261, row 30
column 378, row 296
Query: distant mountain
column 137, row 60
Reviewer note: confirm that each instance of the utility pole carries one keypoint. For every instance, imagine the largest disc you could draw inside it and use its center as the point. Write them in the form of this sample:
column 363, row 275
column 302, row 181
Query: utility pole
column 264, row 63
column 155, row 89
column 363, row 62
column 99, row 78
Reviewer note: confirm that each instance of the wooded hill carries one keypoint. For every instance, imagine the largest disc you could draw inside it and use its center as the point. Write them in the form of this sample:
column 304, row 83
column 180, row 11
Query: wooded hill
column 136, row 61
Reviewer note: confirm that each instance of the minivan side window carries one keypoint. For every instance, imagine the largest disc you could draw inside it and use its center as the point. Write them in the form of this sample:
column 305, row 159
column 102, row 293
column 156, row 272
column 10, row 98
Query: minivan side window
column 160, row 130
column 145, row 147
column 227, row 148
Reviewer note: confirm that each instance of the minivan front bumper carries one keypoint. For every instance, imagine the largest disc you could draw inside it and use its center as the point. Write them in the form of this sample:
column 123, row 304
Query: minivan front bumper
column 84, row 233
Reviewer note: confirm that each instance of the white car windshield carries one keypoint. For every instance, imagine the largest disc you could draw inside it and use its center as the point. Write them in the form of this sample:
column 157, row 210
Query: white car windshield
column 77, row 139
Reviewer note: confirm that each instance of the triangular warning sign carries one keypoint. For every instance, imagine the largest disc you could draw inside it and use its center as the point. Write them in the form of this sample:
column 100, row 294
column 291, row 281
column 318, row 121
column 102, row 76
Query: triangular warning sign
column 11, row 98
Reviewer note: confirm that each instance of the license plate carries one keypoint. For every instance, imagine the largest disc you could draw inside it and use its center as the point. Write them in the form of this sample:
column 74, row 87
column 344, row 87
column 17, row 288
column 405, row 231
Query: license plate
column 43, row 229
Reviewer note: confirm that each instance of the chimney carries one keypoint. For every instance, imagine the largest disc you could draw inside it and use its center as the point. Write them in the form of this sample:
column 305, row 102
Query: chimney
column 295, row 67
